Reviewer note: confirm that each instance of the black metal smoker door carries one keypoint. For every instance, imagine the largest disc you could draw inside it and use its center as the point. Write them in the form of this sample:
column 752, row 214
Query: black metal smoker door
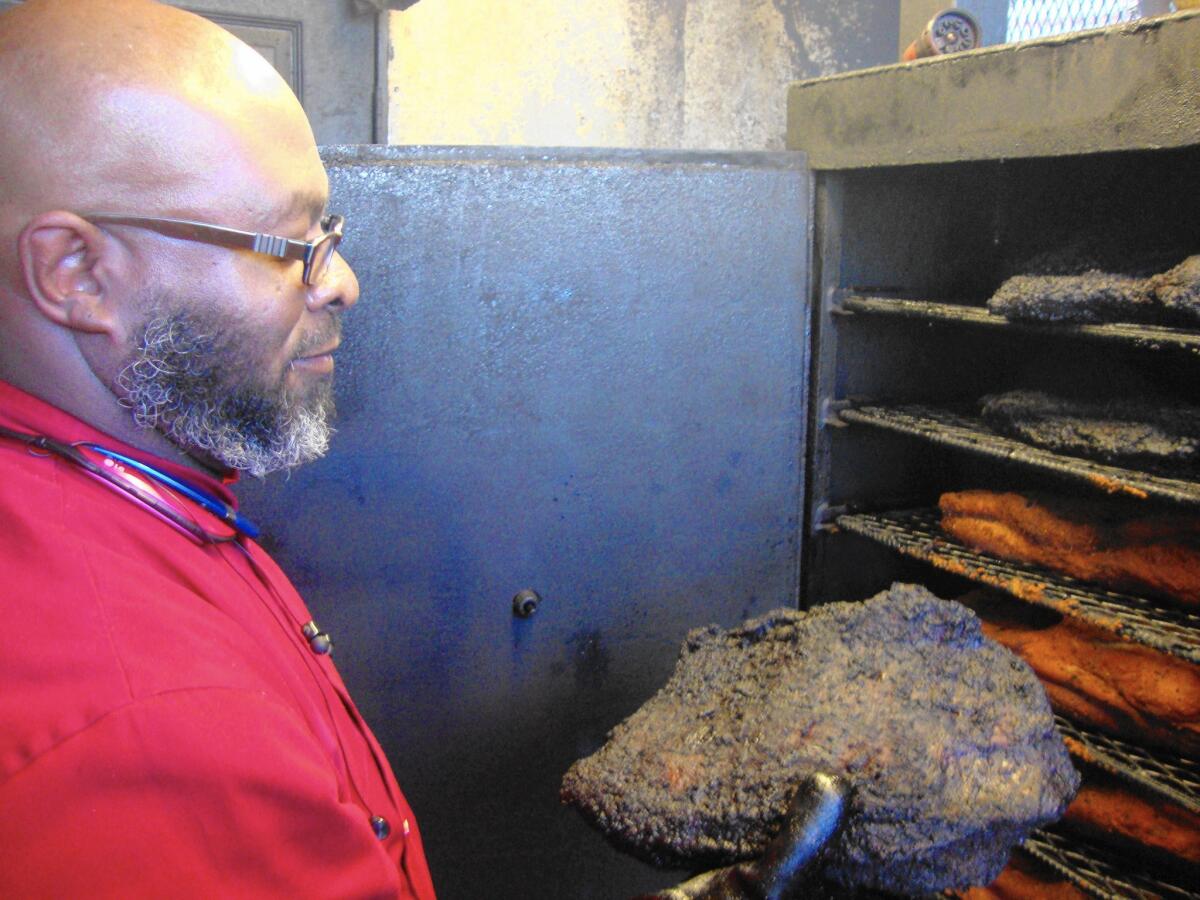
column 581, row 372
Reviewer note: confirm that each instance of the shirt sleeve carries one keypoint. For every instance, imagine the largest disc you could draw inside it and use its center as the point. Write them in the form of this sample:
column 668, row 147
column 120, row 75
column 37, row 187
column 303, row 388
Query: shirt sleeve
column 194, row 793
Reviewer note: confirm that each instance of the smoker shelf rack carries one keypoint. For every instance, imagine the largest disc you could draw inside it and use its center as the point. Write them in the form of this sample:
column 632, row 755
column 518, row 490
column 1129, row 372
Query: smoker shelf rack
column 1096, row 871
column 916, row 533
column 1175, row 778
column 1151, row 337
column 964, row 432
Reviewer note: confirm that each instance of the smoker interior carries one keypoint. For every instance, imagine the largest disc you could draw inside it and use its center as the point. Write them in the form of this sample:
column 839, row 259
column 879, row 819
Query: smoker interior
column 908, row 256
column 951, row 234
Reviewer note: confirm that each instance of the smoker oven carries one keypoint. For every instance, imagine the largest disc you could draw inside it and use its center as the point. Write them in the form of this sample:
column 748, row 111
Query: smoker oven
column 933, row 184
column 666, row 390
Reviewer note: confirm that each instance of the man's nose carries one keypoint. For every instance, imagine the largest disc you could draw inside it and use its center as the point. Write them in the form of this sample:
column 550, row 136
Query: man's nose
column 338, row 287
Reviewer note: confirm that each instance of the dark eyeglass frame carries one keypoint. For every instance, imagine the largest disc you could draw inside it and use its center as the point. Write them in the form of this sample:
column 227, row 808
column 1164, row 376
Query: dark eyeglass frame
column 316, row 255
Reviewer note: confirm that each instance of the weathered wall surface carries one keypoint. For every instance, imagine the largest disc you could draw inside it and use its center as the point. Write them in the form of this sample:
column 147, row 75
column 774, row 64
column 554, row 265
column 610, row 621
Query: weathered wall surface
column 696, row 74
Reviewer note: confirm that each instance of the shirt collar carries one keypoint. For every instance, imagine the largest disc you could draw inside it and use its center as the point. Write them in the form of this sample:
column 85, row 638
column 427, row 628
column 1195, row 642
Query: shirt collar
column 24, row 412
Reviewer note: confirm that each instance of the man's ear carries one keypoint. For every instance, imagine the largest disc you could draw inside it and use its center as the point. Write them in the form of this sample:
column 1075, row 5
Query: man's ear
column 63, row 259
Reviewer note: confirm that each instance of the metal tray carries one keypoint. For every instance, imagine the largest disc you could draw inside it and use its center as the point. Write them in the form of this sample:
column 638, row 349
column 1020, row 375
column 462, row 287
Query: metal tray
column 1098, row 871
column 966, row 432
column 1170, row 776
column 916, row 533
column 1150, row 337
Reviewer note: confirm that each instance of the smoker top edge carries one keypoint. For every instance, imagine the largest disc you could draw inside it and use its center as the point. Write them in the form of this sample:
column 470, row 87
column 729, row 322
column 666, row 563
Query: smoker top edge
column 1134, row 27
column 499, row 155
column 1127, row 87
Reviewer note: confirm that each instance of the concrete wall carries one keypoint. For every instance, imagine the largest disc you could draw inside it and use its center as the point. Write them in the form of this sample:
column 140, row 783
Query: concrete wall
column 696, row 74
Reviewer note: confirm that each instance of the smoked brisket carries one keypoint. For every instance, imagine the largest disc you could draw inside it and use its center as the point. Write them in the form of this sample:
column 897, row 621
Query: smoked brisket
column 1095, row 295
column 945, row 737
column 1096, row 679
column 1090, row 297
column 1119, row 432
column 1110, row 812
column 1178, row 291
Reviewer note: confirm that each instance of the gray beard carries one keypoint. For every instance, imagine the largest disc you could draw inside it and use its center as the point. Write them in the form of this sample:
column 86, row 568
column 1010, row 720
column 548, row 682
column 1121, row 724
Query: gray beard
column 181, row 380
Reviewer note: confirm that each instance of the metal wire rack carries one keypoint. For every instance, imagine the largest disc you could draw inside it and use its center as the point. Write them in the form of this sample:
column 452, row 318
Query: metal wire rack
column 916, row 533
column 1172, row 777
column 1040, row 18
column 1096, row 871
column 1150, row 337
column 966, row 432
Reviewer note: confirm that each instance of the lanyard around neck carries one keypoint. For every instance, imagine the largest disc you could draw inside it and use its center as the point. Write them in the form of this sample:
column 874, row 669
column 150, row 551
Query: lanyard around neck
column 110, row 472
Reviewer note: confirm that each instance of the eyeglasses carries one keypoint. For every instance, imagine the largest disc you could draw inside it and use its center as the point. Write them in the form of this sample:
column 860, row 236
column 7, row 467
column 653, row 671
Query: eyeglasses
column 316, row 255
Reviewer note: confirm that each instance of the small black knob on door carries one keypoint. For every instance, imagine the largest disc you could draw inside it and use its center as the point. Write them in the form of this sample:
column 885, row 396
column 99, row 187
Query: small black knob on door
column 525, row 603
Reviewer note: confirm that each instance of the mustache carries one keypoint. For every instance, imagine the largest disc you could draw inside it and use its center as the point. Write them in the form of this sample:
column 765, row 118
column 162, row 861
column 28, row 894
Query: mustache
column 329, row 333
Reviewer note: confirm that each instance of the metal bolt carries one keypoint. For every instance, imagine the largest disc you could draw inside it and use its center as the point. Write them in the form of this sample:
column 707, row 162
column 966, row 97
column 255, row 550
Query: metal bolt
column 320, row 642
column 525, row 603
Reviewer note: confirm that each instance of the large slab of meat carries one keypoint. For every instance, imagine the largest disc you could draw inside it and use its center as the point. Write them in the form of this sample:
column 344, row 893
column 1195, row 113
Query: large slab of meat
column 1110, row 812
column 1095, row 678
column 1064, row 293
column 1089, row 297
column 946, row 738
column 1121, row 432
column 1093, row 539
column 1178, row 290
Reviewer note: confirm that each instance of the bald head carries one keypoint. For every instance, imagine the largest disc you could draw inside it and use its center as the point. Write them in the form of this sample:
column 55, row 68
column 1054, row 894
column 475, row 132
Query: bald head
column 133, row 104
column 134, row 108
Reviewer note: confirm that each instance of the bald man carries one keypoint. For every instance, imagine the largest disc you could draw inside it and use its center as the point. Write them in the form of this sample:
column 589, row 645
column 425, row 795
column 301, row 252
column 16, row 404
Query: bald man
column 170, row 295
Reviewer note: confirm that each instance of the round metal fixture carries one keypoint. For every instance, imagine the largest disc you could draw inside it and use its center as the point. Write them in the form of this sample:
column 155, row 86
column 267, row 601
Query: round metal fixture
column 950, row 31
column 525, row 603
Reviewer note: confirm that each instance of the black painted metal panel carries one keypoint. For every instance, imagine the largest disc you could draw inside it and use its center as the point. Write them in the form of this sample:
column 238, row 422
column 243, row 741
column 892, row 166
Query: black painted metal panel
column 580, row 372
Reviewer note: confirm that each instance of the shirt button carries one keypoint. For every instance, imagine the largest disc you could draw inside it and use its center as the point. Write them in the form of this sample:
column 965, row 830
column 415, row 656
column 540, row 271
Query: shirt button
column 318, row 641
column 381, row 827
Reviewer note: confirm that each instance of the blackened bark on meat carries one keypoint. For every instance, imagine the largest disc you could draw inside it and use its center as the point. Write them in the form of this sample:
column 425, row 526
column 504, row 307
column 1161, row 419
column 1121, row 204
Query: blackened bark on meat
column 1121, row 432
column 1091, row 297
column 1094, row 295
column 946, row 739
column 1178, row 291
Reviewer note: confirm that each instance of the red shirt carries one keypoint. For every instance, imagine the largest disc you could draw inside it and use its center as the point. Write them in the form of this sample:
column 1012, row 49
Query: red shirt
column 165, row 727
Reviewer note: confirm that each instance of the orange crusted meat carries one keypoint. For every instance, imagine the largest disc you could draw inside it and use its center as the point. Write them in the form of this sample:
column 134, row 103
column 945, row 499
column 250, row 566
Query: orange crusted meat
column 1092, row 540
column 1025, row 879
column 1108, row 811
column 1096, row 679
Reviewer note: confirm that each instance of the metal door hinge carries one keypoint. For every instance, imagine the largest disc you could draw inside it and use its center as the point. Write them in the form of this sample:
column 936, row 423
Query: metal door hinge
column 836, row 301
column 825, row 517
column 829, row 416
